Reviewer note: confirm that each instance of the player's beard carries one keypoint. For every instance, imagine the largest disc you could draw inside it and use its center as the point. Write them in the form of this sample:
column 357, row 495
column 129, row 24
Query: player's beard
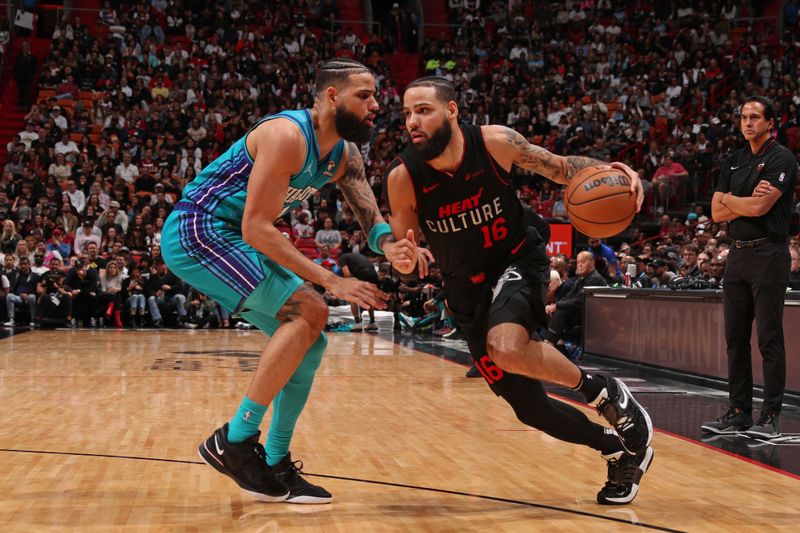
column 351, row 128
column 436, row 143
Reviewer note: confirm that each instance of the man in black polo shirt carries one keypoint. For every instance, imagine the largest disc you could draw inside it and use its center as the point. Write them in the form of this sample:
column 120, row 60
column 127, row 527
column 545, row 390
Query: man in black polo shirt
column 754, row 195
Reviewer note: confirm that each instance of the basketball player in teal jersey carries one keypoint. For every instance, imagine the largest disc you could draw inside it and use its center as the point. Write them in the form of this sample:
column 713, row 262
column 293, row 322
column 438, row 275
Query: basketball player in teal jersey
column 220, row 239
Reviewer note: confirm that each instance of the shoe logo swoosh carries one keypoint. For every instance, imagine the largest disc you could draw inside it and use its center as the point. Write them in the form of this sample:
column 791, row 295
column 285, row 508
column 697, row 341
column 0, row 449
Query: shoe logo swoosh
column 734, row 168
column 216, row 445
column 623, row 403
column 429, row 189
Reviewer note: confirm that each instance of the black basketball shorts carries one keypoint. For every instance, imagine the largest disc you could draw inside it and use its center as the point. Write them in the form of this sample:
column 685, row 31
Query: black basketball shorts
column 515, row 294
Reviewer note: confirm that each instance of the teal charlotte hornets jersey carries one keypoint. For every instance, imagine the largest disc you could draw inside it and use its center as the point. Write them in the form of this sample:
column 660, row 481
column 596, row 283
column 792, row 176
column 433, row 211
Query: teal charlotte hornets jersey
column 221, row 188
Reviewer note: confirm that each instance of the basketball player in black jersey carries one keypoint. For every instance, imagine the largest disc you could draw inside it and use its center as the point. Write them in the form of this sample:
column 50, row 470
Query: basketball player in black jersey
column 452, row 184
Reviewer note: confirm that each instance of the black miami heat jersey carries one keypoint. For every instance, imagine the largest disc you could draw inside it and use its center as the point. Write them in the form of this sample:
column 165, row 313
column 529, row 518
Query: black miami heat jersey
column 471, row 219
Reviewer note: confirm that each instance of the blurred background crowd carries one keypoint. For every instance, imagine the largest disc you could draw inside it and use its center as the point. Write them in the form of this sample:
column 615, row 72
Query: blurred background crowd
column 126, row 105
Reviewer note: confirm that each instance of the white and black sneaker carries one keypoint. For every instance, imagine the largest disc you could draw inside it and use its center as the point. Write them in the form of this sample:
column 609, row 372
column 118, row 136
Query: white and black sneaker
column 625, row 472
column 300, row 490
column 245, row 463
column 617, row 405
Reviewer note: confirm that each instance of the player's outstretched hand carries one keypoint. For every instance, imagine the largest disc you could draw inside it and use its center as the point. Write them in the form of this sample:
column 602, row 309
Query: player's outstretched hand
column 363, row 294
column 763, row 188
column 636, row 182
column 405, row 255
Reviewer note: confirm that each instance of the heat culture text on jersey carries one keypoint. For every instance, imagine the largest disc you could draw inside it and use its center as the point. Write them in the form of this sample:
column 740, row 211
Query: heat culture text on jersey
column 462, row 214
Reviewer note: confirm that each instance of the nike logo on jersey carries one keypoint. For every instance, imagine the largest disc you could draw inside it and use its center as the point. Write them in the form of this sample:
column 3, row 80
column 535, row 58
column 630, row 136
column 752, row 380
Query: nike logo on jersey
column 471, row 175
column 426, row 190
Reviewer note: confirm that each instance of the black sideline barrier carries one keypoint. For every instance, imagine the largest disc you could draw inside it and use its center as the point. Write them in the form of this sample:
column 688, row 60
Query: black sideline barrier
column 677, row 330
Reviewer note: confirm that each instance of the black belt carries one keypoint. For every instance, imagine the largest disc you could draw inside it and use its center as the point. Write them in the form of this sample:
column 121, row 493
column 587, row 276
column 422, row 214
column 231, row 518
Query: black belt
column 753, row 243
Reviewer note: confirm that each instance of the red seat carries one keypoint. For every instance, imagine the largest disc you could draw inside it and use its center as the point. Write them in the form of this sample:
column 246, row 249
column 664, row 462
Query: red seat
column 305, row 242
column 311, row 253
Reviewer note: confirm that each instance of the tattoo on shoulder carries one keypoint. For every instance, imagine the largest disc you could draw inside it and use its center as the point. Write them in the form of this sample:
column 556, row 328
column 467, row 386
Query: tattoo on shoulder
column 356, row 190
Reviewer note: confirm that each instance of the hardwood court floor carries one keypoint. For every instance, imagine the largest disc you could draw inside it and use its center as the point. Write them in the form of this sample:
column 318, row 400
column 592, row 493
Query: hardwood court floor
column 100, row 429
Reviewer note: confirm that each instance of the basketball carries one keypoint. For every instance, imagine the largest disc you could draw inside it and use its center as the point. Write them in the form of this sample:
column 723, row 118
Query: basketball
column 599, row 201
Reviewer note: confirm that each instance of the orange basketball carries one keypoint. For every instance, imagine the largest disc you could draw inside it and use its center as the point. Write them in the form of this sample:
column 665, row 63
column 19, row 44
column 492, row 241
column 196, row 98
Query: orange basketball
column 599, row 201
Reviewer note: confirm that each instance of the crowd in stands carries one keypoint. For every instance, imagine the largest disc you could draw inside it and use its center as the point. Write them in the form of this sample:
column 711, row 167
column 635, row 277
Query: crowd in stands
column 656, row 84
column 132, row 109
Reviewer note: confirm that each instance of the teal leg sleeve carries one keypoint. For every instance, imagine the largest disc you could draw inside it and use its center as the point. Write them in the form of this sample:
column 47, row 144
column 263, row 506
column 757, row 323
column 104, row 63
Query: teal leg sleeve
column 289, row 403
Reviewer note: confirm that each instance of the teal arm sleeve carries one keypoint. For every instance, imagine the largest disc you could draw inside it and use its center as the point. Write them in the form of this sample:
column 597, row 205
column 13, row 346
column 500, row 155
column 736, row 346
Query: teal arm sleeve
column 375, row 234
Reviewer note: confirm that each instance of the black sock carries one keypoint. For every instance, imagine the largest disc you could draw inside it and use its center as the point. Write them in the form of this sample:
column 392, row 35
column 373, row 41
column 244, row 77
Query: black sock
column 590, row 385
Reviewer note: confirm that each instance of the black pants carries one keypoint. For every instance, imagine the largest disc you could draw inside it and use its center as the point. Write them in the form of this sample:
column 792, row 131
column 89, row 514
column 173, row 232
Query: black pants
column 25, row 96
column 754, row 286
column 560, row 324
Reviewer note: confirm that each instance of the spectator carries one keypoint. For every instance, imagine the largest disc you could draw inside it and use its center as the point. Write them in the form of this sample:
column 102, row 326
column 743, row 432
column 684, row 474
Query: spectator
column 163, row 288
column 59, row 120
column 201, row 311
column 77, row 198
column 716, row 271
column 113, row 218
column 57, row 244
column 126, row 170
column 690, row 263
column 133, row 289
column 23, row 292
column 567, row 313
column 662, row 273
column 83, row 286
column 24, row 70
column 87, row 233
column 110, row 299
column 327, row 261
column 599, row 249
column 38, row 267
column 9, row 238
column 55, row 303
column 667, row 180
column 328, row 236
column 67, row 219
column 303, row 229
column 28, row 136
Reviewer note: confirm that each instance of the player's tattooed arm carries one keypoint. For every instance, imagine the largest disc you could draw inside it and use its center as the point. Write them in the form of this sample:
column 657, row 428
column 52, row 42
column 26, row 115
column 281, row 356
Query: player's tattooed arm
column 358, row 193
column 537, row 160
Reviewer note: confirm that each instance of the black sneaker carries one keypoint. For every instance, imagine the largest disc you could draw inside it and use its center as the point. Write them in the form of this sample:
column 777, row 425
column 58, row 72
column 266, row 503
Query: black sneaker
column 300, row 490
column 731, row 423
column 625, row 471
column 473, row 372
column 245, row 463
column 767, row 427
column 617, row 405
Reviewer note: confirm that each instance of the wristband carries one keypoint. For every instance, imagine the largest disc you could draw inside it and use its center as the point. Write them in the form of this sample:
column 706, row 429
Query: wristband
column 375, row 234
